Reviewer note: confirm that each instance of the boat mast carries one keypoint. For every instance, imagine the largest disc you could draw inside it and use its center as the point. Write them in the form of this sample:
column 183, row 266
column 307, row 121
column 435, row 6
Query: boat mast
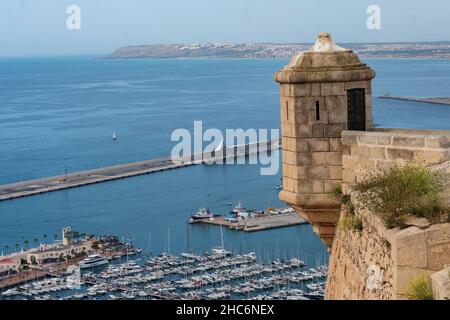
column 168, row 240
column 188, row 243
column 221, row 236
column 149, row 248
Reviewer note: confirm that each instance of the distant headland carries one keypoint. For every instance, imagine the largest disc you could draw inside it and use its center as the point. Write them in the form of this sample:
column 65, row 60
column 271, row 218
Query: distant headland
column 423, row 50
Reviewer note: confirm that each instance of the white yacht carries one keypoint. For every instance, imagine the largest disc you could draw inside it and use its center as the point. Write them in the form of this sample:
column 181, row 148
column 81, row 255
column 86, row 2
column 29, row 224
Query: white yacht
column 92, row 261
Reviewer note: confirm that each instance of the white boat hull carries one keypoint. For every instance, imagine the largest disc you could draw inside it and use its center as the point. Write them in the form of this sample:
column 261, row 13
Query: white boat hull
column 93, row 265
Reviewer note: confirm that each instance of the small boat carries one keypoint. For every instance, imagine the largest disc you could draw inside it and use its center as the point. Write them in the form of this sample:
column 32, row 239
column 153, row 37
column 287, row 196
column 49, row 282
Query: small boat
column 142, row 294
column 240, row 212
column 202, row 213
column 314, row 295
column 114, row 136
column 92, row 261
column 220, row 252
column 10, row 292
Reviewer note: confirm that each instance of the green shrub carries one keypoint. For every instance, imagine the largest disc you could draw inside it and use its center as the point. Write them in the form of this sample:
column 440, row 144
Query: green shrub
column 410, row 189
column 351, row 222
column 420, row 289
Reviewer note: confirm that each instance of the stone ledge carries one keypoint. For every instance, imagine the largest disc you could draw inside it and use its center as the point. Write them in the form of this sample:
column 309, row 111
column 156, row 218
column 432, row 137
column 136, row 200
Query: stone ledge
column 441, row 284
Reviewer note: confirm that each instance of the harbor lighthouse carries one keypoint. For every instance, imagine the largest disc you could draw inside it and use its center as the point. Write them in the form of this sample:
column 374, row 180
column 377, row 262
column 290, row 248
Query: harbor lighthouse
column 323, row 91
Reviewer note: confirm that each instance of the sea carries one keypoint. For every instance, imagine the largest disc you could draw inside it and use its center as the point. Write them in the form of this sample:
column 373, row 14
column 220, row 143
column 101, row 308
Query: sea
column 58, row 114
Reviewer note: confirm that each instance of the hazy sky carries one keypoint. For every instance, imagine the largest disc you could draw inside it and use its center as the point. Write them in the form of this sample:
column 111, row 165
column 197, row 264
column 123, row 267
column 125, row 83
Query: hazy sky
column 38, row 27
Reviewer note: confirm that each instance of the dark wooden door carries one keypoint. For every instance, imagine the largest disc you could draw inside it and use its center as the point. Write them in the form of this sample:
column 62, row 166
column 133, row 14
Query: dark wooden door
column 356, row 107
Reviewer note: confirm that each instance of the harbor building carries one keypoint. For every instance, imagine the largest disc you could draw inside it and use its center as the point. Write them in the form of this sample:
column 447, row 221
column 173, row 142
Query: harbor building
column 71, row 246
column 9, row 266
column 323, row 91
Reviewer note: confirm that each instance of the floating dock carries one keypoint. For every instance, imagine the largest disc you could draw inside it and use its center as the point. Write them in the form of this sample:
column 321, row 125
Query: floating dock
column 443, row 100
column 78, row 179
column 258, row 224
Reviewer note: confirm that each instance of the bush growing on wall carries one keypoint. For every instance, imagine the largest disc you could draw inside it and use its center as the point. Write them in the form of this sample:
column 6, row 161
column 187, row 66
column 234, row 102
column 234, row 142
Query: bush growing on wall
column 420, row 289
column 402, row 190
column 349, row 219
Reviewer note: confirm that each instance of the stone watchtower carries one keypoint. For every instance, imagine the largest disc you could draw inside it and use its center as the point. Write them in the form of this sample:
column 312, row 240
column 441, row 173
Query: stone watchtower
column 324, row 91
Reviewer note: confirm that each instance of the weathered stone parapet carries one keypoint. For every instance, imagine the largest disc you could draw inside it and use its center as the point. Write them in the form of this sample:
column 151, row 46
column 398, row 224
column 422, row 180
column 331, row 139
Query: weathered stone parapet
column 363, row 152
column 441, row 284
column 418, row 252
column 401, row 255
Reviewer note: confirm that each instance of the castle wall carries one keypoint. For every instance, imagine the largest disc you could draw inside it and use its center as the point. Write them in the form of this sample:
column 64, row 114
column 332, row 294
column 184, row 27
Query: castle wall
column 379, row 263
column 361, row 265
column 382, row 148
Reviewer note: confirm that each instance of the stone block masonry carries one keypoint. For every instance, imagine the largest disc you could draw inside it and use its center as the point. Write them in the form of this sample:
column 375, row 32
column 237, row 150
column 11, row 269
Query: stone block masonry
column 378, row 149
column 380, row 263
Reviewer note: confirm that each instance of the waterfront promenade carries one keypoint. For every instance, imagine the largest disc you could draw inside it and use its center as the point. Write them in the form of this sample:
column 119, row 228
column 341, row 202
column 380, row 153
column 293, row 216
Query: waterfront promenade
column 78, row 179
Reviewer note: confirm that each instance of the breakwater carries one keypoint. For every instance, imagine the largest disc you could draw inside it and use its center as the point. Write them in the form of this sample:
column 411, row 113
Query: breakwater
column 443, row 100
column 78, row 179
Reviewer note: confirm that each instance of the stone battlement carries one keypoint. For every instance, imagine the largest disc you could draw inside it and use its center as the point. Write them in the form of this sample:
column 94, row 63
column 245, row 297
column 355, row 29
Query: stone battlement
column 382, row 148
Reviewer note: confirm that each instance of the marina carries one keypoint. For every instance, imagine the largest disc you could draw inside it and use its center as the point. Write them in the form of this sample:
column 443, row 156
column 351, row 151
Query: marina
column 218, row 274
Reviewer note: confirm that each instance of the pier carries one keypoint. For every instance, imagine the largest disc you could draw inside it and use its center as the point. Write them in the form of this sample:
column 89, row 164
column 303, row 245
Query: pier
column 78, row 179
column 259, row 223
column 442, row 101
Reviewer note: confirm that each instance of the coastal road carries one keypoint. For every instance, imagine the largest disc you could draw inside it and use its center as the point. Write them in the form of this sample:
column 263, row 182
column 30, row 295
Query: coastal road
column 78, row 179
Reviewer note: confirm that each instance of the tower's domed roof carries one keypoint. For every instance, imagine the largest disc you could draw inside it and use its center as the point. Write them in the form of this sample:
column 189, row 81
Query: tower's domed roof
column 325, row 61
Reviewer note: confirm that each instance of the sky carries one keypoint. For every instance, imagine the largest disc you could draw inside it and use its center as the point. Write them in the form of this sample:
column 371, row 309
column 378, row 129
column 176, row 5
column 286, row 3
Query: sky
column 39, row 27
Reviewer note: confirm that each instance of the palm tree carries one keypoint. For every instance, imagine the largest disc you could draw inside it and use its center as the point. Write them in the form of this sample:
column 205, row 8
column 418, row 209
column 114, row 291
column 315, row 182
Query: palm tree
column 45, row 237
column 17, row 246
column 35, row 240
column 6, row 248
column 26, row 242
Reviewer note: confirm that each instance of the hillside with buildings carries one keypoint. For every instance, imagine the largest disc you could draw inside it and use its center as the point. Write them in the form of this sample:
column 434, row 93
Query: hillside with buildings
column 435, row 50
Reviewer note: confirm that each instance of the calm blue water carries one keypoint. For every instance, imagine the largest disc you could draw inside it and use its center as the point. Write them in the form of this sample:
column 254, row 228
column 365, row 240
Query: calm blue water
column 59, row 112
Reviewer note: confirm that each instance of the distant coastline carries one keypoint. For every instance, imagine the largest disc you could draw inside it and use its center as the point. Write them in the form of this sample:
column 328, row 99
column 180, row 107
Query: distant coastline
column 430, row 50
